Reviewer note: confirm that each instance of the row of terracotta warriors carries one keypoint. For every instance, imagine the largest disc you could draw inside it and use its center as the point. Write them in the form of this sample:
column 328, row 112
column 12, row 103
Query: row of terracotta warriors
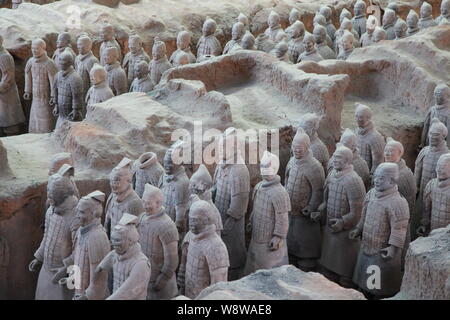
column 322, row 216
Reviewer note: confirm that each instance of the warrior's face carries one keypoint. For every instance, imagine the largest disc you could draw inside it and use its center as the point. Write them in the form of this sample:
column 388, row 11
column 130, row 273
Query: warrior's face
column 134, row 45
column 119, row 181
column 198, row 187
column 435, row 137
column 110, row 55
column 392, row 154
column 309, row 44
column 158, row 52
column 362, row 119
column 119, row 240
column 141, row 70
column 340, row 161
column 37, row 49
column 299, row 149
column 183, row 41
column 208, row 29
column 107, row 34
column 168, row 164
column 64, row 62
column 273, row 20
column 382, row 180
column 152, row 202
column 443, row 168
column 84, row 46
column 198, row 221
column 62, row 41
column 84, row 212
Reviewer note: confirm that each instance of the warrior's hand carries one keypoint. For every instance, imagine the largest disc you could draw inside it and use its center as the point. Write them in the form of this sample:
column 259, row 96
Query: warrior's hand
column 355, row 233
column 336, row 225
column 388, row 253
column 249, row 227
column 228, row 225
column 275, row 243
column 27, row 96
column 75, row 115
column 34, row 265
column 316, row 215
column 60, row 274
column 160, row 282
column 307, row 211
column 55, row 111
column 181, row 225
column 422, row 231
column 80, row 296
column 52, row 101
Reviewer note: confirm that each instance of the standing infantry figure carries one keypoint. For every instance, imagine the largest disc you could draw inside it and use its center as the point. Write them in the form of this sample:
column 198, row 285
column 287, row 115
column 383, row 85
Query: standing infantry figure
column 344, row 14
column 295, row 33
column 40, row 72
column 135, row 55
column 232, row 186
column 142, row 82
column 366, row 38
column 11, row 113
column 117, row 79
column 183, row 47
column 346, row 45
column 68, row 91
column 108, row 37
column 158, row 237
column 343, row 200
column 304, row 183
column 269, row 221
column 388, row 23
column 310, row 122
column 323, row 49
column 370, row 142
column 205, row 260
column 159, row 63
column 280, row 52
column 274, row 30
column 319, row 20
column 248, row 42
column 56, row 246
column 146, row 169
column 175, row 187
column 426, row 16
column 63, row 45
column 346, row 25
column 100, row 90
column 123, row 199
column 326, row 12
column 310, row 53
column 130, row 267
column 237, row 32
column 437, row 199
column 426, row 162
column 348, row 139
column 383, row 228
column 84, row 61
column 412, row 20
column 294, row 15
column 440, row 110
column 242, row 18
column 359, row 20
column 400, row 29
column 91, row 246
column 444, row 18
column 200, row 186
column 378, row 35
column 208, row 45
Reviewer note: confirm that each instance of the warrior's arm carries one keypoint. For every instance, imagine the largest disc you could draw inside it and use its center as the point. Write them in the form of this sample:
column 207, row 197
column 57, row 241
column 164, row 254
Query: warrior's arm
column 181, row 276
column 426, row 128
column 170, row 259
column 377, row 150
column 218, row 275
column 136, row 282
column 28, row 78
column 399, row 225
column 317, row 183
column 427, row 205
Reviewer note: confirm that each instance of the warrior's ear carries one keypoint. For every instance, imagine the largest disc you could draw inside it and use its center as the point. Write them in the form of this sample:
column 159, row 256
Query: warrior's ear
column 66, row 170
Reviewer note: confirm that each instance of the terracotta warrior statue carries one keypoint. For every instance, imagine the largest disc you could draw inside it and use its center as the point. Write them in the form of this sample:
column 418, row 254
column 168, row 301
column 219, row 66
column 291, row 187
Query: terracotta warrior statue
column 444, row 18
column 40, row 72
column 349, row 140
column 183, row 48
column 294, row 15
column 388, row 23
column 248, row 42
column 436, row 199
column 295, row 33
column 274, row 31
column 208, row 45
column 440, row 110
column 370, row 141
column 394, row 7
column 174, row 184
column 232, row 188
column 159, row 63
column 343, row 200
column 304, row 183
column 310, row 53
column 146, row 169
column 269, row 221
column 242, row 18
column 63, row 44
column 91, row 246
column 200, row 186
column 84, row 61
column 108, row 36
column 310, row 123
column 378, row 35
column 123, row 199
column 323, row 49
column 359, row 20
column 142, row 82
column 100, row 90
column 11, row 113
column 425, row 166
column 383, row 227
column 68, row 91
column 426, row 16
column 321, row 21
column 346, row 45
column 117, row 78
column 237, row 32
column 400, row 29
column 55, row 249
column 280, row 52
column 330, row 28
column 346, row 25
column 366, row 38
column 130, row 267
column 204, row 260
column 344, row 14
column 264, row 43
column 158, row 237
column 135, row 55
column 412, row 20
